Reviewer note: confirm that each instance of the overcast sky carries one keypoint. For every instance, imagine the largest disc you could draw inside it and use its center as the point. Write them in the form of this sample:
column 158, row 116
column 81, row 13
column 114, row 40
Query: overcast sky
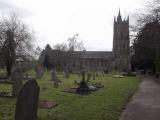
column 54, row 21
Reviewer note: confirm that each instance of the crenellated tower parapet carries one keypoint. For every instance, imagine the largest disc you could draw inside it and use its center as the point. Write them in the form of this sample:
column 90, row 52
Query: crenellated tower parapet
column 121, row 36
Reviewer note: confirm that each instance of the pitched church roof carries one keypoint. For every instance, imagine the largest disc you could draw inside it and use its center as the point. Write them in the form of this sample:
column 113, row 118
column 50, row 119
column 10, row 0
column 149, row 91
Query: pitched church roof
column 94, row 54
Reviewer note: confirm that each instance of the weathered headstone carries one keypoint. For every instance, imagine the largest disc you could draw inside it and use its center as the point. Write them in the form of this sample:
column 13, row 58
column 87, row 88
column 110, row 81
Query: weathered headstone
column 97, row 75
column 94, row 75
column 17, row 79
column 89, row 75
column 39, row 71
column 54, row 78
column 83, row 86
column 27, row 102
column 102, row 73
column 79, row 74
column 66, row 73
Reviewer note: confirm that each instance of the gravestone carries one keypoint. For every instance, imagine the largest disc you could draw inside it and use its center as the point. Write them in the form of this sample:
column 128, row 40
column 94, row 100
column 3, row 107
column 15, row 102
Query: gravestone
column 79, row 74
column 94, row 75
column 54, row 78
column 89, row 75
column 27, row 102
column 97, row 75
column 17, row 79
column 47, row 104
column 66, row 72
column 102, row 72
column 83, row 86
column 39, row 71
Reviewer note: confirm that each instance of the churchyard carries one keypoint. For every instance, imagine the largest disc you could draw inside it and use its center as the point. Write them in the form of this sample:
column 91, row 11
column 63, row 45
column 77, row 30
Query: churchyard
column 66, row 69
column 105, row 103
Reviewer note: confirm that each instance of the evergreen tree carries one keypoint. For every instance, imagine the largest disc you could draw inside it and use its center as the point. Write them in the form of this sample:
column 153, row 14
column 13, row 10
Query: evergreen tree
column 46, row 62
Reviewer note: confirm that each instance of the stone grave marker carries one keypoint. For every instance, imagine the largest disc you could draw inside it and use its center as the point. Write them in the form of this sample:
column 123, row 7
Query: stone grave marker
column 83, row 86
column 17, row 79
column 27, row 101
column 54, row 78
column 79, row 74
column 39, row 71
column 47, row 104
column 66, row 72
column 89, row 75
column 94, row 75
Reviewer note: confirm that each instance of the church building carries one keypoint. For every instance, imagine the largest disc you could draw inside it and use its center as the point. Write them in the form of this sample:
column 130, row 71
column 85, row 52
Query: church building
column 117, row 59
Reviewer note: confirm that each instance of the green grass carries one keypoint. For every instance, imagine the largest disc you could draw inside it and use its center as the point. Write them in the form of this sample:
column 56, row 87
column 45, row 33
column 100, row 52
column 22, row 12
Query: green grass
column 104, row 104
column 31, row 72
column 3, row 73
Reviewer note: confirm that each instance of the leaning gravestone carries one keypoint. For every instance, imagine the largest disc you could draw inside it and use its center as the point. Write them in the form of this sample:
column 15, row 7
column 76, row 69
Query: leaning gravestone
column 54, row 78
column 27, row 102
column 17, row 79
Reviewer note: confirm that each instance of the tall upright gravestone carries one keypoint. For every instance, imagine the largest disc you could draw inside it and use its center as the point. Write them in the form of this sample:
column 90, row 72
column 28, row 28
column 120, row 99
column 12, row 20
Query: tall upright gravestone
column 66, row 72
column 27, row 101
column 94, row 75
column 83, row 86
column 89, row 75
column 54, row 78
column 17, row 79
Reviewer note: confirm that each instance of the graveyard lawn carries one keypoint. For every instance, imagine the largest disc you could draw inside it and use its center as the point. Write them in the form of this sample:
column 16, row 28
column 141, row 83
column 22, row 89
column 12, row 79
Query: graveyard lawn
column 3, row 73
column 105, row 104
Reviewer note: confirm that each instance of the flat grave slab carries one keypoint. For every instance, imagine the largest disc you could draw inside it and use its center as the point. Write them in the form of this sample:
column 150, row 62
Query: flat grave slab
column 47, row 104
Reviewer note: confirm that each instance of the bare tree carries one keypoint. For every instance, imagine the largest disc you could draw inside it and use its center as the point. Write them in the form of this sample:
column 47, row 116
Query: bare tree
column 16, row 39
column 60, row 47
column 150, row 13
column 37, row 52
column 75, row 44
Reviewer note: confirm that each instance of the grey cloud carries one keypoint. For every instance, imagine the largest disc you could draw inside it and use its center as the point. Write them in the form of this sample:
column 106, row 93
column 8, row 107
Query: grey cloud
column 7, row 6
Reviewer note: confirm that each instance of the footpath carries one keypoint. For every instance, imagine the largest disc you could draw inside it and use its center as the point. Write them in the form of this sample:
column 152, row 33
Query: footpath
column 145, row 104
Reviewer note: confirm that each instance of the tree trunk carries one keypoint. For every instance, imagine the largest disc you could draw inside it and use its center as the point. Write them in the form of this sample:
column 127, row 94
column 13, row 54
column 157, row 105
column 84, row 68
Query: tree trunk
column 8, row 65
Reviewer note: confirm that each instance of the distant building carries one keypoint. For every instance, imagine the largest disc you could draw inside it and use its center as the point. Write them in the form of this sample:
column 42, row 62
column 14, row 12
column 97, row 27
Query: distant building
column 117, row 59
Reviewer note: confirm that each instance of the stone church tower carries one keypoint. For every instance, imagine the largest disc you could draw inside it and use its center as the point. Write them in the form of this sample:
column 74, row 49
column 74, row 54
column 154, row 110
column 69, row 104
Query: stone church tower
column 121, row 43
